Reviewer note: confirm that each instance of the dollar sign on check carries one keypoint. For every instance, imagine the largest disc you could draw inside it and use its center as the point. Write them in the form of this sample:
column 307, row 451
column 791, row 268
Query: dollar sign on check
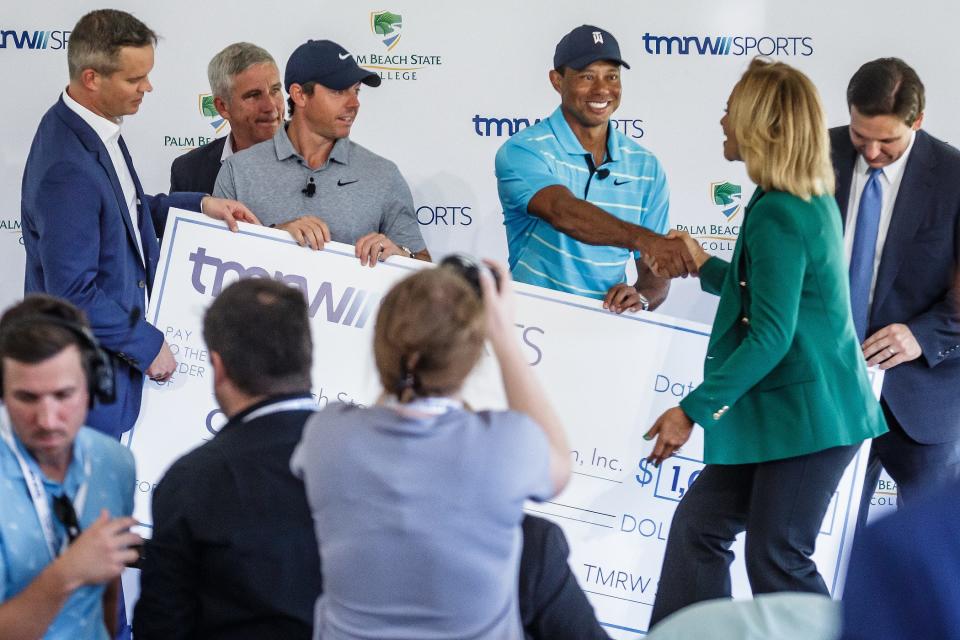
column 645, row 475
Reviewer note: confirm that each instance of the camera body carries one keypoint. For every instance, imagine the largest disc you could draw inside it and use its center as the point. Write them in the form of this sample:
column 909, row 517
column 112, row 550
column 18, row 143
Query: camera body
column 470, row 269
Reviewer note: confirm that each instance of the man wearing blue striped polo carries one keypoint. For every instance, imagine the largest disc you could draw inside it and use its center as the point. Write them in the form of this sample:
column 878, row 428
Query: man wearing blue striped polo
column 579, row 197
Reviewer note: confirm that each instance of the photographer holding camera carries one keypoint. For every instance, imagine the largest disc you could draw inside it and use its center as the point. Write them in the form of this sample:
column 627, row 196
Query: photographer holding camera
column 423, row 493
column 61, row 552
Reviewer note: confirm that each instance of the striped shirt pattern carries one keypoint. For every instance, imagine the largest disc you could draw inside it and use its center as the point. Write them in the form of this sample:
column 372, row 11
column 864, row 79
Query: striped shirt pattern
column 548, row 153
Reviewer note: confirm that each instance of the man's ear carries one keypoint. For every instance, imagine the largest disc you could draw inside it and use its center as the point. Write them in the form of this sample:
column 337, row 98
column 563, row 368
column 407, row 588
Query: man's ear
column 296, row 94
column 555, row 79
column 90, row 79
column 221, row 106
column 916, row 123
column 219, row 371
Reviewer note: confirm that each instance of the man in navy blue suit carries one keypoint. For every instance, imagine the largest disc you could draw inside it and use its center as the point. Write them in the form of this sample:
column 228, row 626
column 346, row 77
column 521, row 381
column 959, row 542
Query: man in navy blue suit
column 89, row 230
column 899, row 191
column 904, row 576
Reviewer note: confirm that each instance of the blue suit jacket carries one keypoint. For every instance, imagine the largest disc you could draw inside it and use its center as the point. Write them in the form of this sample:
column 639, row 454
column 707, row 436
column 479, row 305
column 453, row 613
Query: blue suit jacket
column 917, row 283
column 904, row 575
column 81, row 245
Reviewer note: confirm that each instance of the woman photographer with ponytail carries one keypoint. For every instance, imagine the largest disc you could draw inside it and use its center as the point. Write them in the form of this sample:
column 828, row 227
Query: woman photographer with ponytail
column 417, row 501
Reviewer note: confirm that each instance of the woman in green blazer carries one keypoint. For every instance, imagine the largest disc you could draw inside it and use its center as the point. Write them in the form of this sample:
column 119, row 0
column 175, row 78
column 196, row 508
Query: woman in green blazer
column 785, row 400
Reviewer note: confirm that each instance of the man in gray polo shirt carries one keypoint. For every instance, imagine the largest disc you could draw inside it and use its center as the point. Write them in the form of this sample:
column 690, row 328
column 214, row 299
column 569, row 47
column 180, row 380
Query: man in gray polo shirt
column 312, row 180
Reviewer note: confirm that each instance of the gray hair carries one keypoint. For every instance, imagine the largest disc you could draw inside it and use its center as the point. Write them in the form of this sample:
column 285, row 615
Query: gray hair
column 235, row 58
column 97, row 38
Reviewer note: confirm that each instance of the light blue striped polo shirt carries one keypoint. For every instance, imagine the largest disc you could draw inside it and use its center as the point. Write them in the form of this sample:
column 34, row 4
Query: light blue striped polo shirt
column 548, row 153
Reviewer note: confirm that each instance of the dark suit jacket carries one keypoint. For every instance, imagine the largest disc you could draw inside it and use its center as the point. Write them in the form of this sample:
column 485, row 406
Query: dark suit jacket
column 233, row 553
column 197, row 169
column 904, row 576
column 552, row 604
column 917, row 283
column 81, row 245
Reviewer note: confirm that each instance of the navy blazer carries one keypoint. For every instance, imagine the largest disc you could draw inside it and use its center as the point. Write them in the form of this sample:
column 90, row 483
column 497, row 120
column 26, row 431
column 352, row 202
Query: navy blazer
column 197, row 169
column 917, row 283
column 81, row 245
column 553, row 606
column 233, row 553
column 904, row 575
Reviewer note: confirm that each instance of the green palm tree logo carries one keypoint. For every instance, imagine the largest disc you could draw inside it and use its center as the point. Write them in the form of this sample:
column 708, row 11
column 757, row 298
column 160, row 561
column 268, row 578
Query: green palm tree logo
column 209, row 110
column 726, row 195
column 388, row 25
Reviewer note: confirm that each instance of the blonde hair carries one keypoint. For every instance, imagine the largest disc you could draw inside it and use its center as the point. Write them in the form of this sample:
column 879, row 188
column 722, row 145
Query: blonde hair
column 781, row 130
column 429, row 334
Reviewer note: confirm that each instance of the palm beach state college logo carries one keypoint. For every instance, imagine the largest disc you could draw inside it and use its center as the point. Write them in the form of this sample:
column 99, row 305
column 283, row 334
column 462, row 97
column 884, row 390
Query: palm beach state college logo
column 387, row 28
column 726, row 195
column 11, row 226
column 213, row 118
column 726, row 198
column 208, row 110
column 384, row 23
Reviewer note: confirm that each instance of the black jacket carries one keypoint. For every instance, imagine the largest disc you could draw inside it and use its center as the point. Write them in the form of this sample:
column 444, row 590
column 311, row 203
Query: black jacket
column 197, row 170
column 233, row 553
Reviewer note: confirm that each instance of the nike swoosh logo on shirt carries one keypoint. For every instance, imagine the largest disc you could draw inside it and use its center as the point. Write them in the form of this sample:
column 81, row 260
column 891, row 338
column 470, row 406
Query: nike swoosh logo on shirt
column 341, row 183
column 343, row 56
column 620, row 182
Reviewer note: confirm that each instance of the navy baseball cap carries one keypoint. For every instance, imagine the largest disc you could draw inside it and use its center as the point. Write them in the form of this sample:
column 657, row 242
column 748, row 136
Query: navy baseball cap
column 327, row 63
column 585, row 45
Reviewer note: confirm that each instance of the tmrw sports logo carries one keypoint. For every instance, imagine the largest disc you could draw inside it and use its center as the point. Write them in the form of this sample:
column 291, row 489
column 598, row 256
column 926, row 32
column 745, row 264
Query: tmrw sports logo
column 493, row 126
column 53, row 40
column 726, row 198
column 728, row 45
column 209, row 112
column 387, row 27
column 352, row 308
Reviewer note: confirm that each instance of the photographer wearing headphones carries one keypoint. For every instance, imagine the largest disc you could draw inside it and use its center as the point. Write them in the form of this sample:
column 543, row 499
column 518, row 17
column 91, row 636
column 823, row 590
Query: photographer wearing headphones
column 61, row 484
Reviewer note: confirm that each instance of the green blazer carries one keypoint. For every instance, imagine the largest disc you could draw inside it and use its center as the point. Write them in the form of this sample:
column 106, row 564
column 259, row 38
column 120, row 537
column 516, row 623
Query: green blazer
column 784, row 375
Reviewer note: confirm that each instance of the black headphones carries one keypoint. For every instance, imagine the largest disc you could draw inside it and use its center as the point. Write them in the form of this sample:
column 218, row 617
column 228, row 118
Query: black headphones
column 101, row 383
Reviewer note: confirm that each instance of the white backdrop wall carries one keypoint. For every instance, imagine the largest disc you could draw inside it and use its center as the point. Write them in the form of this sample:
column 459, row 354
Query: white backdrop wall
column 462, row 77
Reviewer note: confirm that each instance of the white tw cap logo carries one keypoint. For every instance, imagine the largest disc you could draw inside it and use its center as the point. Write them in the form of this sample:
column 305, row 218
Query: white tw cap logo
column 597, row 37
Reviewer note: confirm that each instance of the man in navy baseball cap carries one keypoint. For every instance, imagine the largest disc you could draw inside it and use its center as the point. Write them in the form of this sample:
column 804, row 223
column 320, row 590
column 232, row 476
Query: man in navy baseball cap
column 327, row 63
column 312, row 180
column 585, row 45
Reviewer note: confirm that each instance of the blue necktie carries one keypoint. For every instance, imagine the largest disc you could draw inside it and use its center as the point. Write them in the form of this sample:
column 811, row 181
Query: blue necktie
column 864, row 251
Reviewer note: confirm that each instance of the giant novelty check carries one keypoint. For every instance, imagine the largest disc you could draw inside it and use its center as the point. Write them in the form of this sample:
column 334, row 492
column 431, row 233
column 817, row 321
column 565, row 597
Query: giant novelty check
column 609, row 376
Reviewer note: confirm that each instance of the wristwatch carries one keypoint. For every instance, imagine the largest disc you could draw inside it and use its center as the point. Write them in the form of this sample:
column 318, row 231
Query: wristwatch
column 644, row 303
column 406, row 250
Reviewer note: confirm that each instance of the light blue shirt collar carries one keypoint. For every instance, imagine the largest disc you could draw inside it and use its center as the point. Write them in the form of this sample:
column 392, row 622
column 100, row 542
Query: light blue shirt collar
column 570, row 144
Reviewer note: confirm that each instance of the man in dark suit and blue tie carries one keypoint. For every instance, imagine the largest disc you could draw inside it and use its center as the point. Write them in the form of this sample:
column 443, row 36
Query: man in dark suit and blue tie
column 248, row 94
column 89, row 230
column 898, row 189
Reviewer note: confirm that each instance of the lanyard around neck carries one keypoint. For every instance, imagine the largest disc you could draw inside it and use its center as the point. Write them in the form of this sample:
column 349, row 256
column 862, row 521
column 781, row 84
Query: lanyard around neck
column 430, row 405
column 293, row 404
column 38, row 494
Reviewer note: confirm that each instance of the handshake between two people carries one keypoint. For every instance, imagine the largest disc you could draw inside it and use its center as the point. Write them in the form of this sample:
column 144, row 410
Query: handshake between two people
column 675, row 255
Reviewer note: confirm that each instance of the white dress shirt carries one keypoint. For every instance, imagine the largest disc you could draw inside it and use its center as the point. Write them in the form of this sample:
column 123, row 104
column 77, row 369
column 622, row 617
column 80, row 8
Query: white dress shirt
column 227, row 149
column 890, row 179
column 109, row 133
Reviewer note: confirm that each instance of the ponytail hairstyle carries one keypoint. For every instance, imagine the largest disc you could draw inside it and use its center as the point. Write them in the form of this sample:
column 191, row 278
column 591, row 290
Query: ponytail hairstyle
column 429, row 335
